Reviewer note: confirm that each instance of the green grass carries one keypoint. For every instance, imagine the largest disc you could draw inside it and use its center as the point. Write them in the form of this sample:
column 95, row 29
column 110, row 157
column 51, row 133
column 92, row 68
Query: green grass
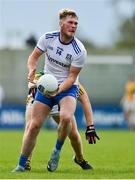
column 112, row 157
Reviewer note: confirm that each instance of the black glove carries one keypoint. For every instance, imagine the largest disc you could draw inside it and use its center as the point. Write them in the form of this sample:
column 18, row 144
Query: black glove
column 91, row 134
column 33, row 91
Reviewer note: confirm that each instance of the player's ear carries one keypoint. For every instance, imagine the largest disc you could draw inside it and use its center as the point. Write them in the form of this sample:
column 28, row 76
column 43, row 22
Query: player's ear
column 60, row 23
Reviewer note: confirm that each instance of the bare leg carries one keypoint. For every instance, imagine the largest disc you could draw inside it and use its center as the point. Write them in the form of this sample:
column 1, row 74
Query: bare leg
column 67, row 109
column 75, row 138
column 39, row 113
column 28, row 117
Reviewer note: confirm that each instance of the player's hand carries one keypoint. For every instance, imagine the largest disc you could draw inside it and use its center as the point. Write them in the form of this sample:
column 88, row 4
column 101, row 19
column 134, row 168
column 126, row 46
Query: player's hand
column 91, row 134
column 31, row 75
column 52, row 94
column 32, row 88
column 31, row 85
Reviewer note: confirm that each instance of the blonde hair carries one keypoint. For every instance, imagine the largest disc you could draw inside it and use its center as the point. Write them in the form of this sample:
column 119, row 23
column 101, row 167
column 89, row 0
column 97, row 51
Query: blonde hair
column 67, row 12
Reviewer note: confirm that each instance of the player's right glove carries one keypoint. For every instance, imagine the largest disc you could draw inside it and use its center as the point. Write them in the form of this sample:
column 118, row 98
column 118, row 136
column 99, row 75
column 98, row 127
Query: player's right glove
column 91, row 134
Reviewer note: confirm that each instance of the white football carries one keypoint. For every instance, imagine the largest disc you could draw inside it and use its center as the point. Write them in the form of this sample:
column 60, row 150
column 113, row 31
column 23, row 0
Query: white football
column 47, row 84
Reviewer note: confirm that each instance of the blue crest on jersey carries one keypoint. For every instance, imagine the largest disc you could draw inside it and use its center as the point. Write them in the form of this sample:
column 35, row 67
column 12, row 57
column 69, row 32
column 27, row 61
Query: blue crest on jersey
column 69, row 57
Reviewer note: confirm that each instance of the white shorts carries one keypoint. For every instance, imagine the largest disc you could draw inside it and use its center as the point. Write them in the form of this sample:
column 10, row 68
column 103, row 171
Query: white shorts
column 54, row 111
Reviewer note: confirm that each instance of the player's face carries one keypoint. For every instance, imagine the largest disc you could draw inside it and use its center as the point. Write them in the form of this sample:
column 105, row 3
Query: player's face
column 68, row 26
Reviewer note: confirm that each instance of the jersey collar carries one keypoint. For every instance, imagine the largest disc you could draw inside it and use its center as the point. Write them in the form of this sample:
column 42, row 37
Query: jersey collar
column 65, row 43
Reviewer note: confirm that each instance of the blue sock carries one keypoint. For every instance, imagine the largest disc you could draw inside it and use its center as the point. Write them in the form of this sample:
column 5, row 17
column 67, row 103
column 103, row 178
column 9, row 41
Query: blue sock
column 59, row 144
column 22, row 160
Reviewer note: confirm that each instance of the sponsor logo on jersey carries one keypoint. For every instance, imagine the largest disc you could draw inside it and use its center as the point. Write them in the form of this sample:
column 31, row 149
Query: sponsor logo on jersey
column 56, row 62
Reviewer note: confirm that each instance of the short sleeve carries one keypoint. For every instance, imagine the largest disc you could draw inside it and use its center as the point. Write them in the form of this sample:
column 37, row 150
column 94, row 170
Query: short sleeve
column 42, row 44
column 80, row 60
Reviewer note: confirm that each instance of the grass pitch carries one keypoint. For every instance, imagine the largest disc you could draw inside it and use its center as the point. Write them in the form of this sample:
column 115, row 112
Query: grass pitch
column 112, row 157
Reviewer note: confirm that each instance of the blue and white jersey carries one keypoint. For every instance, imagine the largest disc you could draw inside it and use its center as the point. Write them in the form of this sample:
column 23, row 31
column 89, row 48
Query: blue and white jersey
column 59, row 56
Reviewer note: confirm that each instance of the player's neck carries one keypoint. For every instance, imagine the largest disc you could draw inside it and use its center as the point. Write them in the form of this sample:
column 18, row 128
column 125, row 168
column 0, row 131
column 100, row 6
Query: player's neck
column 65, row 39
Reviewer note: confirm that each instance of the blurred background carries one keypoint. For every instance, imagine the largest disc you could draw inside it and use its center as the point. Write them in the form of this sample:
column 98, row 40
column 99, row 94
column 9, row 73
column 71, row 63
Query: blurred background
column 107, row 29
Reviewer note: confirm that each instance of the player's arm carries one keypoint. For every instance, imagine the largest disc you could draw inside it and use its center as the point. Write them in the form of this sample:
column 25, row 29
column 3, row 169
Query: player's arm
column 85, row 101
column 90, row 132
column 32, row 63
column 74, row 70
column 69, row 81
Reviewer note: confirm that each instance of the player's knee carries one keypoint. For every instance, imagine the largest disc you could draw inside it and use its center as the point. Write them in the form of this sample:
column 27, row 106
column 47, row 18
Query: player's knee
column 34, row 128
column 65, row 118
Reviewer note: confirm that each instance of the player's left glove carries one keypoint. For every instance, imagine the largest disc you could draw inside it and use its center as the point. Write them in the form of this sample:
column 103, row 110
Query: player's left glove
column 91, row 134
